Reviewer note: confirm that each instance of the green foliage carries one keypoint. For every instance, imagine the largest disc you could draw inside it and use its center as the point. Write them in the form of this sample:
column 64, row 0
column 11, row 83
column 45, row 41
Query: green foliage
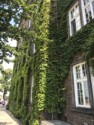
column 50, row 64
column 5, row 82
column 11, row 14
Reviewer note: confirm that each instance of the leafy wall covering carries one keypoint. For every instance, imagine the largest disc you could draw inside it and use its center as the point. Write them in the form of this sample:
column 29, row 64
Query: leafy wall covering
column 49, row 65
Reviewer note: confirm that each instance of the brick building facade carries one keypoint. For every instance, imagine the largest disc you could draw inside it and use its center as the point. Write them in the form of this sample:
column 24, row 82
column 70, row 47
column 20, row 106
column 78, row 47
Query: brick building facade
column 76, row 115
column 38, row 91
column 80, row 83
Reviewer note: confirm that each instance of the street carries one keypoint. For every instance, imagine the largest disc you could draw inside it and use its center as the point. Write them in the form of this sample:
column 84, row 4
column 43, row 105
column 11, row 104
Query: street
column 6, row 118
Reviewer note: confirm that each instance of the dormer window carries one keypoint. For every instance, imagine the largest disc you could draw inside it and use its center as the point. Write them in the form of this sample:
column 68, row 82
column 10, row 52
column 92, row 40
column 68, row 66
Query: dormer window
column 74, row 19
column 88, row 10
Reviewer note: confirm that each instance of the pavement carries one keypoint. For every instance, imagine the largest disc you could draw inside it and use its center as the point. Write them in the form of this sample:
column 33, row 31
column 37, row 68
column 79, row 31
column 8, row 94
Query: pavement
column 6, row 118
column 54, row 122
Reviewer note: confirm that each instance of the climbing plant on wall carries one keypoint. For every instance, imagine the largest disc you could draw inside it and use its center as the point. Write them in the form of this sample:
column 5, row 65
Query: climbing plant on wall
column 49, row 65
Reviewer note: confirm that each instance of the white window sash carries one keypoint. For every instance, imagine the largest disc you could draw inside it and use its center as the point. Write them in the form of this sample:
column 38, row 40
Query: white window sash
column 92, row 80
column 83, row 10
column 75, row 87
column 81, row 80
column 70, row 27
column 75, row 17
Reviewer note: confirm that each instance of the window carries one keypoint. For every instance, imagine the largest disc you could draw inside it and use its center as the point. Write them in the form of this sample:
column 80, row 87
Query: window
column 88, row 10
column 81, row 85
column 32, row 85
column 74, row 19
column 29, row 23
column 92, row 74
column 33, row 48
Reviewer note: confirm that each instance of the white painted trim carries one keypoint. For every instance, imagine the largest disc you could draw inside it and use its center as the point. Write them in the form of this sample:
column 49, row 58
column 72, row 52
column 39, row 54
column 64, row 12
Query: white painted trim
column 83, row 10
column 73, row 6
column 70, row 19
column 70, row 23
column 75, row 85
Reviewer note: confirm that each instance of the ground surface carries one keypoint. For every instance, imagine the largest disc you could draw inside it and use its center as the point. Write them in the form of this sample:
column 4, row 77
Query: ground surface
column 54, row 122
column 6, row 118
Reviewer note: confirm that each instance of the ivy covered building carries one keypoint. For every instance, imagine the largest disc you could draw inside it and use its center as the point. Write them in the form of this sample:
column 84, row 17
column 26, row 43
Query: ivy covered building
column 53, row 77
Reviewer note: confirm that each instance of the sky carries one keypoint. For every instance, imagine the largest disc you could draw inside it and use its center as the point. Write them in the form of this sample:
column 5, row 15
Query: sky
column 12, row 43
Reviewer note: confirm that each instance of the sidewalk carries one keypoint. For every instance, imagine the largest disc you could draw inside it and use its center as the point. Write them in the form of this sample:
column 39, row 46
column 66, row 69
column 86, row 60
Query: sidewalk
column 6, row 118
column 54, row 122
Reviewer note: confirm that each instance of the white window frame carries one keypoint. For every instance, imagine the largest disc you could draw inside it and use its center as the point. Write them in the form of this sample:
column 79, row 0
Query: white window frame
column 83, row 10
column 92, row 77
column 76, row 89
column 70, row 20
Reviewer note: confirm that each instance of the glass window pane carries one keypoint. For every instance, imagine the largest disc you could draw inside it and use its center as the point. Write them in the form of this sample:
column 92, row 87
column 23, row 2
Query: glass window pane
column 92, row 74
column 77, row 10
column 29, row 23
column 71, row 14
column 84, row 70
column 74, row 13
column 88, row 14
column 73, row 24
column 78, row 72
column 86, row 2
column 80, row 93
column 93, row 7
column 78, row 22
column 86, row 93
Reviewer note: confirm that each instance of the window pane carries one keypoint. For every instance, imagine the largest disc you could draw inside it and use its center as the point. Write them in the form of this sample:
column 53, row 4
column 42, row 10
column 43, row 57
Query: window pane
column 73, row 24
column 75, row 19
column 78, row 22
column 86, row 93
column 78, row 72
column 88, row 14
column 71, row 14
column 80, row 93
column 29, row 23
column 85, row 2
column 92, row 74
column 77, row 10
column 84, row 70
column 93, row 7
column 32, row 85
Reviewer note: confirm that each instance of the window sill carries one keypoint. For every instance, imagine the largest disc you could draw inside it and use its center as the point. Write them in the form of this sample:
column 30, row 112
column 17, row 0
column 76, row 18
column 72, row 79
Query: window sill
column 89, row 111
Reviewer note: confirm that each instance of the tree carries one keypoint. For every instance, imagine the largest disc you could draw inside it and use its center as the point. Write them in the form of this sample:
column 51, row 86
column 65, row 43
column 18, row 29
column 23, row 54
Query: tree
column 8, row 12
column 5, row 81
column 11, row 15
